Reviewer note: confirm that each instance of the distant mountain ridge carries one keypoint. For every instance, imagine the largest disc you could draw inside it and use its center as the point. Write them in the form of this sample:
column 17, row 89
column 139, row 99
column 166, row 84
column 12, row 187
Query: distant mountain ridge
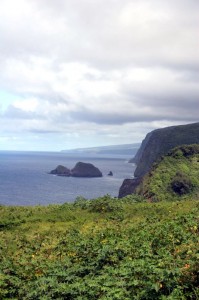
column 124, row 149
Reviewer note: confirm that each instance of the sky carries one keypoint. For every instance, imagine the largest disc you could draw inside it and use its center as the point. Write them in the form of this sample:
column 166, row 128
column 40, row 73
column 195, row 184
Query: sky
column 83, row 73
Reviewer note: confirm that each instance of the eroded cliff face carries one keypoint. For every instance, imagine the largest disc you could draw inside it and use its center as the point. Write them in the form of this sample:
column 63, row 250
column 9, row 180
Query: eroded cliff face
column 138, row 155
column 160, row 141
column 175, row 177
column 156, row 144
column 128, row 187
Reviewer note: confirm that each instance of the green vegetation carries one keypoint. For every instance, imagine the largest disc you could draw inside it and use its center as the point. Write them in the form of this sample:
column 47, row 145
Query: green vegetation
column 174, row 177
column 101, row 249
column 109, row 248
column 160, row 141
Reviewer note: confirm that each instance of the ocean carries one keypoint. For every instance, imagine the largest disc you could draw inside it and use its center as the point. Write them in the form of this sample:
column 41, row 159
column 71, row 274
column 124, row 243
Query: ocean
column 24, row 178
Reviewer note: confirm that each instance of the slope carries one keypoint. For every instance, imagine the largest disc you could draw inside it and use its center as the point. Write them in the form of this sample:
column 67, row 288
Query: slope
column 160, row 141
column 174, row 177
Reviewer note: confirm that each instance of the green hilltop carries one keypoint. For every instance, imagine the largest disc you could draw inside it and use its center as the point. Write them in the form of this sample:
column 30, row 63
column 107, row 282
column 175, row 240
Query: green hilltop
column 175, row 176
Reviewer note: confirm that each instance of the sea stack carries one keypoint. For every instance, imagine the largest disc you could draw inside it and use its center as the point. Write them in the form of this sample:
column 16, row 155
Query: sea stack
column 60, row 171
column 85, row 170
column 81, row 169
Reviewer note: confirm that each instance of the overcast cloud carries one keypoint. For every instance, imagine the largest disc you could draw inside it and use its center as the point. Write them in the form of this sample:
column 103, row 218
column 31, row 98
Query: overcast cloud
column 78, row 73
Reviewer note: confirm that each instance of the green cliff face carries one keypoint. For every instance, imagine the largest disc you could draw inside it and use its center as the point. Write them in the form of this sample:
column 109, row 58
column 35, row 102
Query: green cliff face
column 174, row 177
column 160, row 141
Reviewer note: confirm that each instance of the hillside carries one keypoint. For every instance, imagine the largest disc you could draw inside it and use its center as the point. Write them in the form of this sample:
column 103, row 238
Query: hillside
column 160, row 141
column 174, row 177
column 100, row 249
column 126, row 149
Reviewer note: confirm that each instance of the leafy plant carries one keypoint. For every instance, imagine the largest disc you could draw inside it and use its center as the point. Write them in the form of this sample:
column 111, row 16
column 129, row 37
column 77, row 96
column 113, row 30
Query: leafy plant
column 181, row 184
column 174, row 177
column 73, row 252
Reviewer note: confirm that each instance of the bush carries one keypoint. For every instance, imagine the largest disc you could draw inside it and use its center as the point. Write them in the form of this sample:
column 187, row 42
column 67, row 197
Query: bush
column 81, row 202
column 151, row 254
column 105, row 204
column 181, row 184
column 184, row 150
column 133, row 198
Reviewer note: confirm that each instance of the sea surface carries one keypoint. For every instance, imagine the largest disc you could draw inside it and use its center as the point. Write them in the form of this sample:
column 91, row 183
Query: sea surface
column 24, row 178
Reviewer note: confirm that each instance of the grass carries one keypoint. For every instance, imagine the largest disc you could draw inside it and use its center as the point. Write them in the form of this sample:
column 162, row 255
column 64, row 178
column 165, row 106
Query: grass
column 100, row 249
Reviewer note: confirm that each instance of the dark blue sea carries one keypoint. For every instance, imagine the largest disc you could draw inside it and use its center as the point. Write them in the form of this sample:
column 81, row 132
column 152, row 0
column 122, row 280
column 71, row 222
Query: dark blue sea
column 24, row 178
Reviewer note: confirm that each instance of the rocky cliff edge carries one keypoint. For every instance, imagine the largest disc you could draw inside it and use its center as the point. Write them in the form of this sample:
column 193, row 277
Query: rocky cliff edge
column 158, row 143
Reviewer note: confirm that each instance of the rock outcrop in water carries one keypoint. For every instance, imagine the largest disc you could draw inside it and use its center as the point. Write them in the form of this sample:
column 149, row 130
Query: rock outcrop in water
column 156, row 144
column 85, row 170
column 81, row 169
column 60, row 171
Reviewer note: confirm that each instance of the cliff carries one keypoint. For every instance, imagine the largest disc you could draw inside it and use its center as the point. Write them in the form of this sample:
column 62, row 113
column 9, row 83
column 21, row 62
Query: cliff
column 129, row 186
column 156, row 144
column 160, row 141
column 138, row 154
column 174, row 177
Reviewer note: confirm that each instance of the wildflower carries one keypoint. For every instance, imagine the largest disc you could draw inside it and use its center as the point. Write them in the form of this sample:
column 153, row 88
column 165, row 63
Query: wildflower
column 104, row 241
column 186, row 266
column 72, row 254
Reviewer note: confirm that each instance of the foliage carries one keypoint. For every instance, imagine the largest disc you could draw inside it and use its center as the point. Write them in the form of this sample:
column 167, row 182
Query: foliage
column 174, row 177
column 181, row 184
column 160, row 141
column 84, row 251
column 184, row 150
column 105, row 204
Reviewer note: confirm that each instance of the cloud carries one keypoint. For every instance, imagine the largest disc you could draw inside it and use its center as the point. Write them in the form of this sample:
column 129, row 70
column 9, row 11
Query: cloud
column 83, row 68
column 13, row 112
column 103, row 33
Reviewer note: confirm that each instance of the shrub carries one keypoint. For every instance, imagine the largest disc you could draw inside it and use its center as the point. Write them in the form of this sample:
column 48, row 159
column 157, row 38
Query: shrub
column 181, row 184
column 184, row 150
column 81, row 202
column 105, row 204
